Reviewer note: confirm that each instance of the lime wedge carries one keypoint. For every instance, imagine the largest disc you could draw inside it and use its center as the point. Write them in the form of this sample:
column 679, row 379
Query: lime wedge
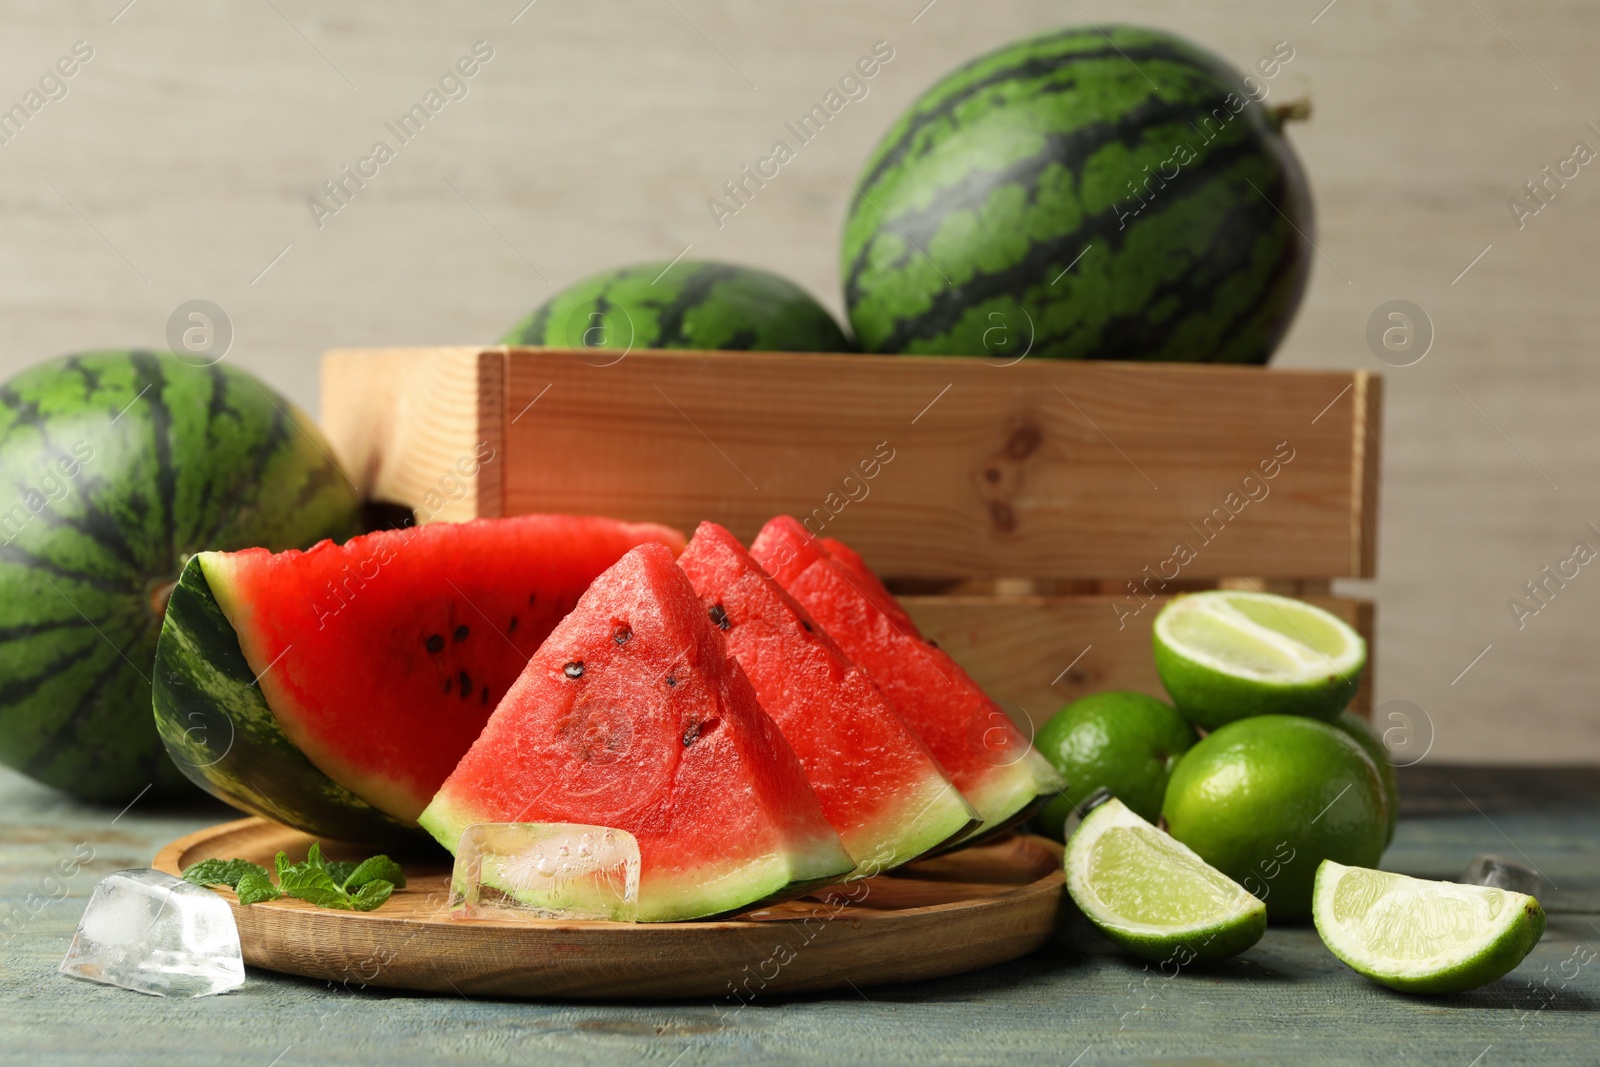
column 1419, row 936
column 1153, row 895
column 1227, row 655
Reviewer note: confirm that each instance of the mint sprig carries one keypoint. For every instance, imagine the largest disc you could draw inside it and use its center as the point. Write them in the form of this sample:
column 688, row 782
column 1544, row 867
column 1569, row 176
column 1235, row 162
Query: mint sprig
column 337, row 884
column 222, row 872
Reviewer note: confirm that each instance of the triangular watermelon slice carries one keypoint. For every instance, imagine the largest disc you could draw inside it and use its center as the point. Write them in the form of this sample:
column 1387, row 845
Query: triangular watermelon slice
column 632, row 715
column 975, row 742
column 379, row 659
column 878, row 784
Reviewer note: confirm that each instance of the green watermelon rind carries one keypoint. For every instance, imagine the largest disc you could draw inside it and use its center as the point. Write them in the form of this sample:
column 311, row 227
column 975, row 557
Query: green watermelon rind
column 129, row 462
column 701, row 894
column 920, row 827
column 689, row 304
column 977, row 205
column 222, row 734
column 1011, row 795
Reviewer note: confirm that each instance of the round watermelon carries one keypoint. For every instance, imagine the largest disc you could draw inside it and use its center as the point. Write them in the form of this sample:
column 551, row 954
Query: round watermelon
column 115, row 467
column 687, row 304
column 1082, row 195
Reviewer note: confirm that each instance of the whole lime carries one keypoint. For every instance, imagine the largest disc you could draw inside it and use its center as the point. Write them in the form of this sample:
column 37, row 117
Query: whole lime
column 1362, row 731
column 1122, row 741
column 1266, row 799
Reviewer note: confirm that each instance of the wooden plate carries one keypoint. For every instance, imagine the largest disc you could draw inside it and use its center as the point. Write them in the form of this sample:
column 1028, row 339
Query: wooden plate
column 972, row 908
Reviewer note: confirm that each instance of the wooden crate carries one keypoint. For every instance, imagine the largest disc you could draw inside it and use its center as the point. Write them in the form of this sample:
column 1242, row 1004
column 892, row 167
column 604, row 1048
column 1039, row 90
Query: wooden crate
column 1033, row 516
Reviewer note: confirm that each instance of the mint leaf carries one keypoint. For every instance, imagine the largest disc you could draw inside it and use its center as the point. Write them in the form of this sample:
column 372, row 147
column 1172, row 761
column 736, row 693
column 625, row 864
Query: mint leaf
column 376, row 869
column 222, row 872
column 311, row 884
column 254, row 887
column 371, row 894
column 314, row 887
column 338, row 884
column 340, row 870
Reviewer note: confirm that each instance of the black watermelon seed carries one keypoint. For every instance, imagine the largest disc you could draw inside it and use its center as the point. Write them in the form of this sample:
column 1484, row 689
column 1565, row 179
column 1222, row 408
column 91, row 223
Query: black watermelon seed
column 933, row 644
column 513, row 627
column 622, row 635
column 447, row 682
column 533, row 598
column 574, row 669
column 671, row 681
column 483, row 698
column 466, row 685
column 435, row 643
column 691, row 735
column 807, row 625
column 461, row 632
column 719, row 615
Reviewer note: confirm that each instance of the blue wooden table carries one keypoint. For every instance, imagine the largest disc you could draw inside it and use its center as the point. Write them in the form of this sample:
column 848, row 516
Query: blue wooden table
column 1077, row 1002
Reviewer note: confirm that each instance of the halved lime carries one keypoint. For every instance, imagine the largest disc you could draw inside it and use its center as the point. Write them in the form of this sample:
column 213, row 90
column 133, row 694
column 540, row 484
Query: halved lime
column 1227, row 655
column 1419, row 936
column 1153, row 895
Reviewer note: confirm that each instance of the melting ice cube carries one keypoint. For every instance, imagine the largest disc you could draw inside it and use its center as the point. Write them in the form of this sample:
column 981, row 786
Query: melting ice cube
column 532, row 870
column 154, row 933
column 1501, row 873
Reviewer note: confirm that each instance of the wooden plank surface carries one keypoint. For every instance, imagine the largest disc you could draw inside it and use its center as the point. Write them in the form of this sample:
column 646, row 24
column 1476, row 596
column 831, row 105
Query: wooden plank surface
column 1034, row 654
column 929, row 467
column 1286, row 1001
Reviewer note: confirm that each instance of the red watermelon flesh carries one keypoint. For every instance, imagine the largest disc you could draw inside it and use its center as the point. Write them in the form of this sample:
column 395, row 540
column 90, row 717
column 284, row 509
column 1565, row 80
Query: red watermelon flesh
column 867, row 583
column 632, row 715
column 982, row 751
column 879, row 786
column 383, row 657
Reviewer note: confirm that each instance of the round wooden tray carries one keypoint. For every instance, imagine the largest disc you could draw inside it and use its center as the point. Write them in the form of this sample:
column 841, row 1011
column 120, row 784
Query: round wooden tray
column 971, row 908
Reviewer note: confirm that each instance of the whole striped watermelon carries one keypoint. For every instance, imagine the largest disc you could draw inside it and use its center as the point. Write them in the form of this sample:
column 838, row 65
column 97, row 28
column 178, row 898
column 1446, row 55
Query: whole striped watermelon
column 688, row 304
column 115, row 467
column 1082, row 195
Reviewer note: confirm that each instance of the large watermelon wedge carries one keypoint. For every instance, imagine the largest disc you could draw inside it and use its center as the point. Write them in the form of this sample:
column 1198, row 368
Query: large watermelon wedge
column 979, row 747
column 292, row 684
column 220, row 731
column 632, row 715
column 878, row 784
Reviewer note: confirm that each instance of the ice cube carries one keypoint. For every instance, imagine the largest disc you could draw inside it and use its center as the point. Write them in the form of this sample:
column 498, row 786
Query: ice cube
column 532, row 870
column 1501, row 873
column 157, row 934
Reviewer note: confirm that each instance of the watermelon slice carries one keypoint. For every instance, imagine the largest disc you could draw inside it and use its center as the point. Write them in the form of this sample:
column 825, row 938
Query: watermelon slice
column 381, row 659
column 632, row 715
column 878, row 784
column 979, row 747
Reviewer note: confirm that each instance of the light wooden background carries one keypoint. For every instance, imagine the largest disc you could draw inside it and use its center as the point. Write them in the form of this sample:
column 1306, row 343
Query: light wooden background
column 179, row 163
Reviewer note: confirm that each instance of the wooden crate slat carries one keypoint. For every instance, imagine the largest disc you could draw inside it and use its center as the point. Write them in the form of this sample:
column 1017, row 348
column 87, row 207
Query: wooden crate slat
column 404, row 424
column 1061, row 470
column 1045, row 469
column 1035, row 654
